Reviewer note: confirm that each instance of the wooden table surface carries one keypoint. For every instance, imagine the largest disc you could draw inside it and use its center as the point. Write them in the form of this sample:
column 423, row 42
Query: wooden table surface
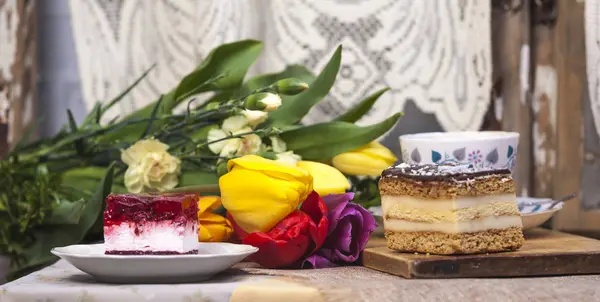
column 544, row 253
column 62, row 282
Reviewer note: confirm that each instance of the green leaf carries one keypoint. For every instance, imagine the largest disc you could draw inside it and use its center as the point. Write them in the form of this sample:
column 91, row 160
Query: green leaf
column 321, row 142
column 361, row 108
column 197, row 177
column 231, row 61
column 67, row 212
column 94, row 116
column 94, row 206
column 127, row 90
column 79, row 147
column 198, row 189
column 152, row 117
column 295, row 108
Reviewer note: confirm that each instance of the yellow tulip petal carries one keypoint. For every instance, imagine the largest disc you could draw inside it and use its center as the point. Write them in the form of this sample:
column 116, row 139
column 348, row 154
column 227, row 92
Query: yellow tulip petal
column 326, row 179
column 359, row 164
column 257, row 201
column 255, row 162
column 208, row 203
column 258, row 192
column 213, row 228
column 376, row 149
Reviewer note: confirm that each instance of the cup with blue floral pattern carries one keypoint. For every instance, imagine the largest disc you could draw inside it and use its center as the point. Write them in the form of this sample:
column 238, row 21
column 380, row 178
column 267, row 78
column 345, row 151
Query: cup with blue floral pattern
column 481, row 150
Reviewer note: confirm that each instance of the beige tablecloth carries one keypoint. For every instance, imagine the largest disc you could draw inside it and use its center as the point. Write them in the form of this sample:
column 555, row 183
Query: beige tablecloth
column 62, row 282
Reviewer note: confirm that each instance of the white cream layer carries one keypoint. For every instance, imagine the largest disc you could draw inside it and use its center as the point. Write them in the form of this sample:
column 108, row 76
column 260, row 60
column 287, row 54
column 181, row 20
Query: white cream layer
column 476, row 225
column 460, row 202
column 160, row 236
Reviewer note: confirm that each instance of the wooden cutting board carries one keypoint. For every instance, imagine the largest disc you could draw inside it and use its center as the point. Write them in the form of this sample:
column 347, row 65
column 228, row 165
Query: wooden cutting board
column 544, row 253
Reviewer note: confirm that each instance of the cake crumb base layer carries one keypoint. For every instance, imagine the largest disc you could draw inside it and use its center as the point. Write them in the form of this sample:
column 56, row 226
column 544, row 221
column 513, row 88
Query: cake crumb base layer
column 489, row 241
column 192, row 252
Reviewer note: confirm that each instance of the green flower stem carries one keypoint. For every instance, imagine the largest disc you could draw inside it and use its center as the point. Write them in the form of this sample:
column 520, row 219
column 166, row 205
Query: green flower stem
column 200, row 88
column 258, row 132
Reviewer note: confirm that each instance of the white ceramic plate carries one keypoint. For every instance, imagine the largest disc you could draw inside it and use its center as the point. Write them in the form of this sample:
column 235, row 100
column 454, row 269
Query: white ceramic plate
column 212, row 258
column 534, row 211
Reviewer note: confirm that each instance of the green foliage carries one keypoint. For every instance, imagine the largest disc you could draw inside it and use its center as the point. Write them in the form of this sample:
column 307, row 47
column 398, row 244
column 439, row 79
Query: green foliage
column 295, row 108
column 361, row 108
column 321, row 142
column 224, row 68
column 46, row 238
column 27, row 200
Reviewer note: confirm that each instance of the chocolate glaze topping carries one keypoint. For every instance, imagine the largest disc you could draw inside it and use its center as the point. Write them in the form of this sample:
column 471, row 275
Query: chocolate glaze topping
column 428, row 172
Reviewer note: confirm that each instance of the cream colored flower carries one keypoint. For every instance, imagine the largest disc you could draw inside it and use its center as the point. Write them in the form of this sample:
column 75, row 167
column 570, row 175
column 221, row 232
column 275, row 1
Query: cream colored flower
column 255, row 117
column 231, row 147
column 150, row 167
column 288, row 157
column 248, row 143
column 214, row 135
column 235, row 125
column 278, row 144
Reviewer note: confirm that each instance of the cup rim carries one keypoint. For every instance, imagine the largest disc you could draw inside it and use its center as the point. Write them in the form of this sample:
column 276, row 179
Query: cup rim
column 472, row 136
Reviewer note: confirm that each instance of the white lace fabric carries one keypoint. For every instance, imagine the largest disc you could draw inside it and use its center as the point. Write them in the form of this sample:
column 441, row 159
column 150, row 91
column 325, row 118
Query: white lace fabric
column 436, row 52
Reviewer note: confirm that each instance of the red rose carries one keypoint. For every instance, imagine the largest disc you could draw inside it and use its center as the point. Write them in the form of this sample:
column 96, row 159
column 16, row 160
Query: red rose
column 294, row 238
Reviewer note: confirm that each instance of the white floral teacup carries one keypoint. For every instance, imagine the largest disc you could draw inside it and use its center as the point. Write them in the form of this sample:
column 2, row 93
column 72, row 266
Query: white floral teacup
column 481, row 150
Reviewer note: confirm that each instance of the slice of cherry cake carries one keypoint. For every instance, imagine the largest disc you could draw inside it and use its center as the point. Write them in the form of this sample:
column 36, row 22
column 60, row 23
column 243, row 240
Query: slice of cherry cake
column 151, row 224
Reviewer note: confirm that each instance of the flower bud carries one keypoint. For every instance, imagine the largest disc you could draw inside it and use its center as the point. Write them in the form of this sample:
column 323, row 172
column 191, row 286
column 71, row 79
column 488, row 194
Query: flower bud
column 263, row 101
column 290, row 86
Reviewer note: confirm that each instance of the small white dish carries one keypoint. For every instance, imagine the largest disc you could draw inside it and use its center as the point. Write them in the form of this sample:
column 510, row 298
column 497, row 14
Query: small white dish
column 212, row 258
column 534, row 211
column 482, row 150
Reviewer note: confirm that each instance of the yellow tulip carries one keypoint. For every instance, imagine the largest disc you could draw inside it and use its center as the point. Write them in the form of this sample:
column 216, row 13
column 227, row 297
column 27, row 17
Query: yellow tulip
column 212, row 227
column 259, row 192
column 368, row 160
column 326, row 179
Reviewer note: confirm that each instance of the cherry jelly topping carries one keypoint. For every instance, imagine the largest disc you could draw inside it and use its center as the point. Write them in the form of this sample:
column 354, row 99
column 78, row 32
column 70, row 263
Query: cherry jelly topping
column 180, row 208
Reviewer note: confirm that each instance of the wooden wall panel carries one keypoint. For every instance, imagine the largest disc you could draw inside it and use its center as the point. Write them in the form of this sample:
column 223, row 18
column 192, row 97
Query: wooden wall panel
column 510, row 50
column 18, row 69
column 571, row 70
column 543, row 103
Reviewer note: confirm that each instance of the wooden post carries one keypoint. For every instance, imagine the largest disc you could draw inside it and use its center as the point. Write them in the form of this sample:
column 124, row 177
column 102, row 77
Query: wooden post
column 544, row 101
column 18, row 81
column 571, row 70
column 511, row 56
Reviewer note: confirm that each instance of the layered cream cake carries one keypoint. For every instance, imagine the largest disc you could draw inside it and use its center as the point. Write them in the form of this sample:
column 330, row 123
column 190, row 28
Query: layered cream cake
column 165, row 224
column 443, row 209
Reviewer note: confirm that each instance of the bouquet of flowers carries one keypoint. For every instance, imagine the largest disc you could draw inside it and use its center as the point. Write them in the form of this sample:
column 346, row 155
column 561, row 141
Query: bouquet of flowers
column 278, row 208
column 53, row 189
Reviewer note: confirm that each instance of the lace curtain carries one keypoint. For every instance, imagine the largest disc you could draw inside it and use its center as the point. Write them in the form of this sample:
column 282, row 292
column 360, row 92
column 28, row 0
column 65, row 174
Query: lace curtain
column 436, row 53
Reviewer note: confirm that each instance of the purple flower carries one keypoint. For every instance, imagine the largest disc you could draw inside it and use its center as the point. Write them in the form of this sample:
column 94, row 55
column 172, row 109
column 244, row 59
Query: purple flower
column 350, row 226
